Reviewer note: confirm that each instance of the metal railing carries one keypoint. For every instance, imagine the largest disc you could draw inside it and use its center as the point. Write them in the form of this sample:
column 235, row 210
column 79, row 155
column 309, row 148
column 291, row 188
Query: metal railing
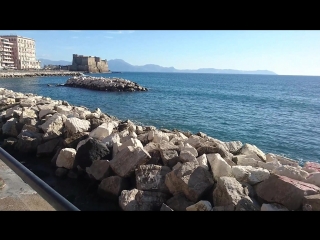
column 44, row 190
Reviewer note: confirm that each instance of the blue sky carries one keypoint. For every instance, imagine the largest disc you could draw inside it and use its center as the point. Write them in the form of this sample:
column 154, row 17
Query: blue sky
column 294, row 52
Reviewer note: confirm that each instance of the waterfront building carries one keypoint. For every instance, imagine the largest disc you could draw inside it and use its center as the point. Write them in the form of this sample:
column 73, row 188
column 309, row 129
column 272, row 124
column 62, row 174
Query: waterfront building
column 23, row 52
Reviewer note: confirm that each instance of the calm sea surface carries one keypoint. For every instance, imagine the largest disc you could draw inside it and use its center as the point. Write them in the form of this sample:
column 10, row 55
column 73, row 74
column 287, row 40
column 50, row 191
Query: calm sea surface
column 278, row 114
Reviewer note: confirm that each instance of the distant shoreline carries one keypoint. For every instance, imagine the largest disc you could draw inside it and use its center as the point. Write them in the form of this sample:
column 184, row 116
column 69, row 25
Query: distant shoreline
column 37, row 73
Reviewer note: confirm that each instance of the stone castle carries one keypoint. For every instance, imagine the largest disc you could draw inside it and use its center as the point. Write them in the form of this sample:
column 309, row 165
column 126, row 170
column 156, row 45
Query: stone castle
column 88, row 64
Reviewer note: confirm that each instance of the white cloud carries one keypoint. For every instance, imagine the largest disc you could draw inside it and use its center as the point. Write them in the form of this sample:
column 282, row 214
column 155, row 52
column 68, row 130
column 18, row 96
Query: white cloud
column 108, row 37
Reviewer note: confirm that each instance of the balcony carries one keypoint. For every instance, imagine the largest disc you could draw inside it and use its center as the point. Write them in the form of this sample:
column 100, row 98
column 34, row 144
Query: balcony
column 6, row 61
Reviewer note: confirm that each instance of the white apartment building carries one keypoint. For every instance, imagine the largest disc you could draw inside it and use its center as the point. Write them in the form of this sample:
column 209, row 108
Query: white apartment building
column 23, row 52
column 6, row 58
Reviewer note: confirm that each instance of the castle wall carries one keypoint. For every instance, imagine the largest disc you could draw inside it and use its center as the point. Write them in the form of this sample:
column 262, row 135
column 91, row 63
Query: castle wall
column 88, row 64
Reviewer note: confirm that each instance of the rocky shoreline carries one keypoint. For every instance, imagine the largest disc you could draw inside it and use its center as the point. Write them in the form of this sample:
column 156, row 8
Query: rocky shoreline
column 22, row 74
column 142, row 168
column 104, row 84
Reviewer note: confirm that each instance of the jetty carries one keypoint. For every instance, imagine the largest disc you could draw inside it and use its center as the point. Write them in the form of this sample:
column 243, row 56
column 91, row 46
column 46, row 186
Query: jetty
column 113, row 84
column 36, row 73
column 142, row 168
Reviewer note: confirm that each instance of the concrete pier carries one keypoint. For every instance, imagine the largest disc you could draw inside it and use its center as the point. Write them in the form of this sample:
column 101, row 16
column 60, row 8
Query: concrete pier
column 43, row 73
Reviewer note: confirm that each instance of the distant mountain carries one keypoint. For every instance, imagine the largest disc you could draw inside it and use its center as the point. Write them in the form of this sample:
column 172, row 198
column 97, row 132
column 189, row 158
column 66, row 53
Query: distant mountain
column 51, row 62
column 119, row 65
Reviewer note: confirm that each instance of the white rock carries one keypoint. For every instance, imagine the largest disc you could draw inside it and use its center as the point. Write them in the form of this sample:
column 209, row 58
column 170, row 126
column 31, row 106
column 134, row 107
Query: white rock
column 250, row 174
column 139, row 130
column 111, row 139
column 76, row 125
column 313, row 178
column 64, row 109
column 248, row 149
column 219, row 166
column 66, row 158
column 102, row 131
column 200, row 206
column 203, row 161
column 269, row 165
column 54, row 123
column 291, row 172
column 247, row 160
column 282, row 160
column 130, row 142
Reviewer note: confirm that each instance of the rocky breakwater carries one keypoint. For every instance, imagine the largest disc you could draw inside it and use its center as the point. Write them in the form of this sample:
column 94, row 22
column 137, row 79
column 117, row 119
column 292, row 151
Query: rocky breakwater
column 142, row 168
column 104, row 84
column 14, row 74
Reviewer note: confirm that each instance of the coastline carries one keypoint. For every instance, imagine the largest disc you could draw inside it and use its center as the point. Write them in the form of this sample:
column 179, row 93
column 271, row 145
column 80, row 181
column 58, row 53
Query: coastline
column 142, row 168
column 37, row 73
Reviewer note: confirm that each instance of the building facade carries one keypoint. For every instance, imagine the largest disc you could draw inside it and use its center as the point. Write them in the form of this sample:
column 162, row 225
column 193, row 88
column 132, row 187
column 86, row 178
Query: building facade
column 23, row 52
column 6, row 55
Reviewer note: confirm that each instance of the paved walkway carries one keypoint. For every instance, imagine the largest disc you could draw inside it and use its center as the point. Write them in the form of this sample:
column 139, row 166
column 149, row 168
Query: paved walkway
column 16, row 195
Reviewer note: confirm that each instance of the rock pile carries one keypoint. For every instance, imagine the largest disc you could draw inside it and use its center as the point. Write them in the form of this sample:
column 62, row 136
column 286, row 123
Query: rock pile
column 143, row 168
column 14, row 74
column 104, row 84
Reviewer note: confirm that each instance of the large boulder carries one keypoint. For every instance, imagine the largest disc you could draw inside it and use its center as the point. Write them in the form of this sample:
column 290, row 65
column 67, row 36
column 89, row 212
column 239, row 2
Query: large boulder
column 99, row 169
column 138, row 200
column 247, row 204
column 53, row 127
column 128, row 159
column 291, row 172
column 248, row 149
column 311, row 202
column 186, row 156
column 66, row 158
column 179, row 202
column 285, row 191
column 250, row 174
column 111, row 187
column 203, row 161
column 76, row 125
column 273, row 207
column 72, row 142
column 10, row 128
column 169, row 157
column 200, row 206
column 111, row 139
column 27, row 115
column 89, row 152
column 152, row 177
column 311, row 167
column 48, row 148
column 219, row 166
column 45, row 110
column 191, row 179
column 27, row 144
column 228, row 191
column 313, row 178
column 233, row 146
column 102, row 131
column 270, row 157
column 131, row 142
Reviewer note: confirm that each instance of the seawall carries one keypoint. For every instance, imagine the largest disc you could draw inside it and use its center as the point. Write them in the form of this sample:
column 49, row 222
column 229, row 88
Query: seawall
column 142, row 168
column 21, row 74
